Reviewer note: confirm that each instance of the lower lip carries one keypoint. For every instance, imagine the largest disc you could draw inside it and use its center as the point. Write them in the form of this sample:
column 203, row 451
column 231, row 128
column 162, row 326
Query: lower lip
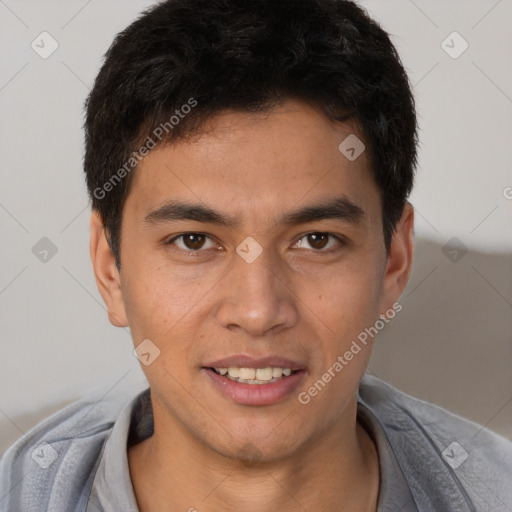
column 256, row 394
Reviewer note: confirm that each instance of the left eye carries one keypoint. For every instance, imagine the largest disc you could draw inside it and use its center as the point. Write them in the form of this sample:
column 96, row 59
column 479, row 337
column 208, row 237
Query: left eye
column 192, row 241
column 318, row 240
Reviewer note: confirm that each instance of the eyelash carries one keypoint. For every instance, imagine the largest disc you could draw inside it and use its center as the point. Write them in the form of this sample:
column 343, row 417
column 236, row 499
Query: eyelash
column 342, row 242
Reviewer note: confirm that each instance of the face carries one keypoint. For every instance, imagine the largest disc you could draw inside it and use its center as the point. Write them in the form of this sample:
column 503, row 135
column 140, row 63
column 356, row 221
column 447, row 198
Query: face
column 257, row 244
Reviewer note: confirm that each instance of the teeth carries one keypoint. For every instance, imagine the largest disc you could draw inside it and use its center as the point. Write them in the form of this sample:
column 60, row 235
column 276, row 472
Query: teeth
column 264, row 374
column 277, row 372
column 254, row 375
column 233, row 372
column 245, row 373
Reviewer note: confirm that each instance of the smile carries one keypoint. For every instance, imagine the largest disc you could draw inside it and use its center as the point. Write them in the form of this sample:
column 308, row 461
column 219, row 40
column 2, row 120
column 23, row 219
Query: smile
column 255, row 386
column 254, row 375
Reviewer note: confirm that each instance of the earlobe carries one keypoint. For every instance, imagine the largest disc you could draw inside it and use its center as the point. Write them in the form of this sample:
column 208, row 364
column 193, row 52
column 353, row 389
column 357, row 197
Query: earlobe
column 106, row 273
column 400, row 259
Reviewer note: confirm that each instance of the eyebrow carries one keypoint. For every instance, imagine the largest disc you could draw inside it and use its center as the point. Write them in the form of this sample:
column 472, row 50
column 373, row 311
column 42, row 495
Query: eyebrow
column 339, row 208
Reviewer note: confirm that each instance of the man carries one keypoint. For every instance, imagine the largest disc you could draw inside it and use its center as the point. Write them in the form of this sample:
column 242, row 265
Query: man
column 249, row 165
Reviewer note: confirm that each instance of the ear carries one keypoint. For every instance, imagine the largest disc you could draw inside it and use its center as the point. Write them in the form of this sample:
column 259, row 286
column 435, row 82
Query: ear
column 400, row 258
column 107, row 276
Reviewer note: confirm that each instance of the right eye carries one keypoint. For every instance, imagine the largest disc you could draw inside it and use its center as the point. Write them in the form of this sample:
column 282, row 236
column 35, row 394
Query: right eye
column 191, row 242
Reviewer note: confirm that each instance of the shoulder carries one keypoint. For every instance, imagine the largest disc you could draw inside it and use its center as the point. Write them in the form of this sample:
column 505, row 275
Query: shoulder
column 63, row 449
column 446, row 459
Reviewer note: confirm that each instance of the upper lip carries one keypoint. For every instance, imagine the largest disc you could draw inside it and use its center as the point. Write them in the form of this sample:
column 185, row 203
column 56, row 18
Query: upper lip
column 245, row 361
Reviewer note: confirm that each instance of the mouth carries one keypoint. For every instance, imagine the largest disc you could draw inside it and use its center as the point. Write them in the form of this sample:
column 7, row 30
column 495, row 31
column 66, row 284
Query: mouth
column 249, row 381
column 266, row 375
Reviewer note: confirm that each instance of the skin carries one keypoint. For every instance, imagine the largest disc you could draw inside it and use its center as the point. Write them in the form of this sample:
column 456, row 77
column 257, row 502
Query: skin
column 296, row 300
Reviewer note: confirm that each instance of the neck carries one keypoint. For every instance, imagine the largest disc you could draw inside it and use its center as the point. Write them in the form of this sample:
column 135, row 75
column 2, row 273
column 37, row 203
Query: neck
column 337, row 472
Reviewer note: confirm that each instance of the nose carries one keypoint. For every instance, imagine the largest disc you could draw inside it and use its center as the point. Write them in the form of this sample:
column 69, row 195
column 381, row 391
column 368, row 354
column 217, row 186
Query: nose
column 257, row 297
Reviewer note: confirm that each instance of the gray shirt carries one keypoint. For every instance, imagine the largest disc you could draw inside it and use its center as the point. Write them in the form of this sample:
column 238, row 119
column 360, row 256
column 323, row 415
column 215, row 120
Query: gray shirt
column 430, row 459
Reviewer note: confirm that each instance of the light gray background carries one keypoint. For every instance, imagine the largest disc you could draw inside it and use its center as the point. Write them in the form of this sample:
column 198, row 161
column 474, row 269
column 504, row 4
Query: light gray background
column 451, row 344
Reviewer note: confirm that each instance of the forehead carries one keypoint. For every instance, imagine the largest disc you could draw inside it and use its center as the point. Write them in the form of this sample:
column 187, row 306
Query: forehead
column 255, row 164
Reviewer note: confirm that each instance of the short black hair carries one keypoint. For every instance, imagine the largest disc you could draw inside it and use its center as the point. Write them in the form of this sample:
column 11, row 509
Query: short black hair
column 183, row 61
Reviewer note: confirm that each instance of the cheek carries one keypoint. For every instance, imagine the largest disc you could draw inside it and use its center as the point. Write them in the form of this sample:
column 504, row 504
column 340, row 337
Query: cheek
column 157, row 311
column 164, row 307
column 347, row 299
column 347, row 303
column 151, row 305
column 156, row 298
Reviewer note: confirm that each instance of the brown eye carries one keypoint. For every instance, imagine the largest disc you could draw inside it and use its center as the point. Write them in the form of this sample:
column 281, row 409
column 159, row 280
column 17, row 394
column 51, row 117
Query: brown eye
column 192, row 242
column 318, row 240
